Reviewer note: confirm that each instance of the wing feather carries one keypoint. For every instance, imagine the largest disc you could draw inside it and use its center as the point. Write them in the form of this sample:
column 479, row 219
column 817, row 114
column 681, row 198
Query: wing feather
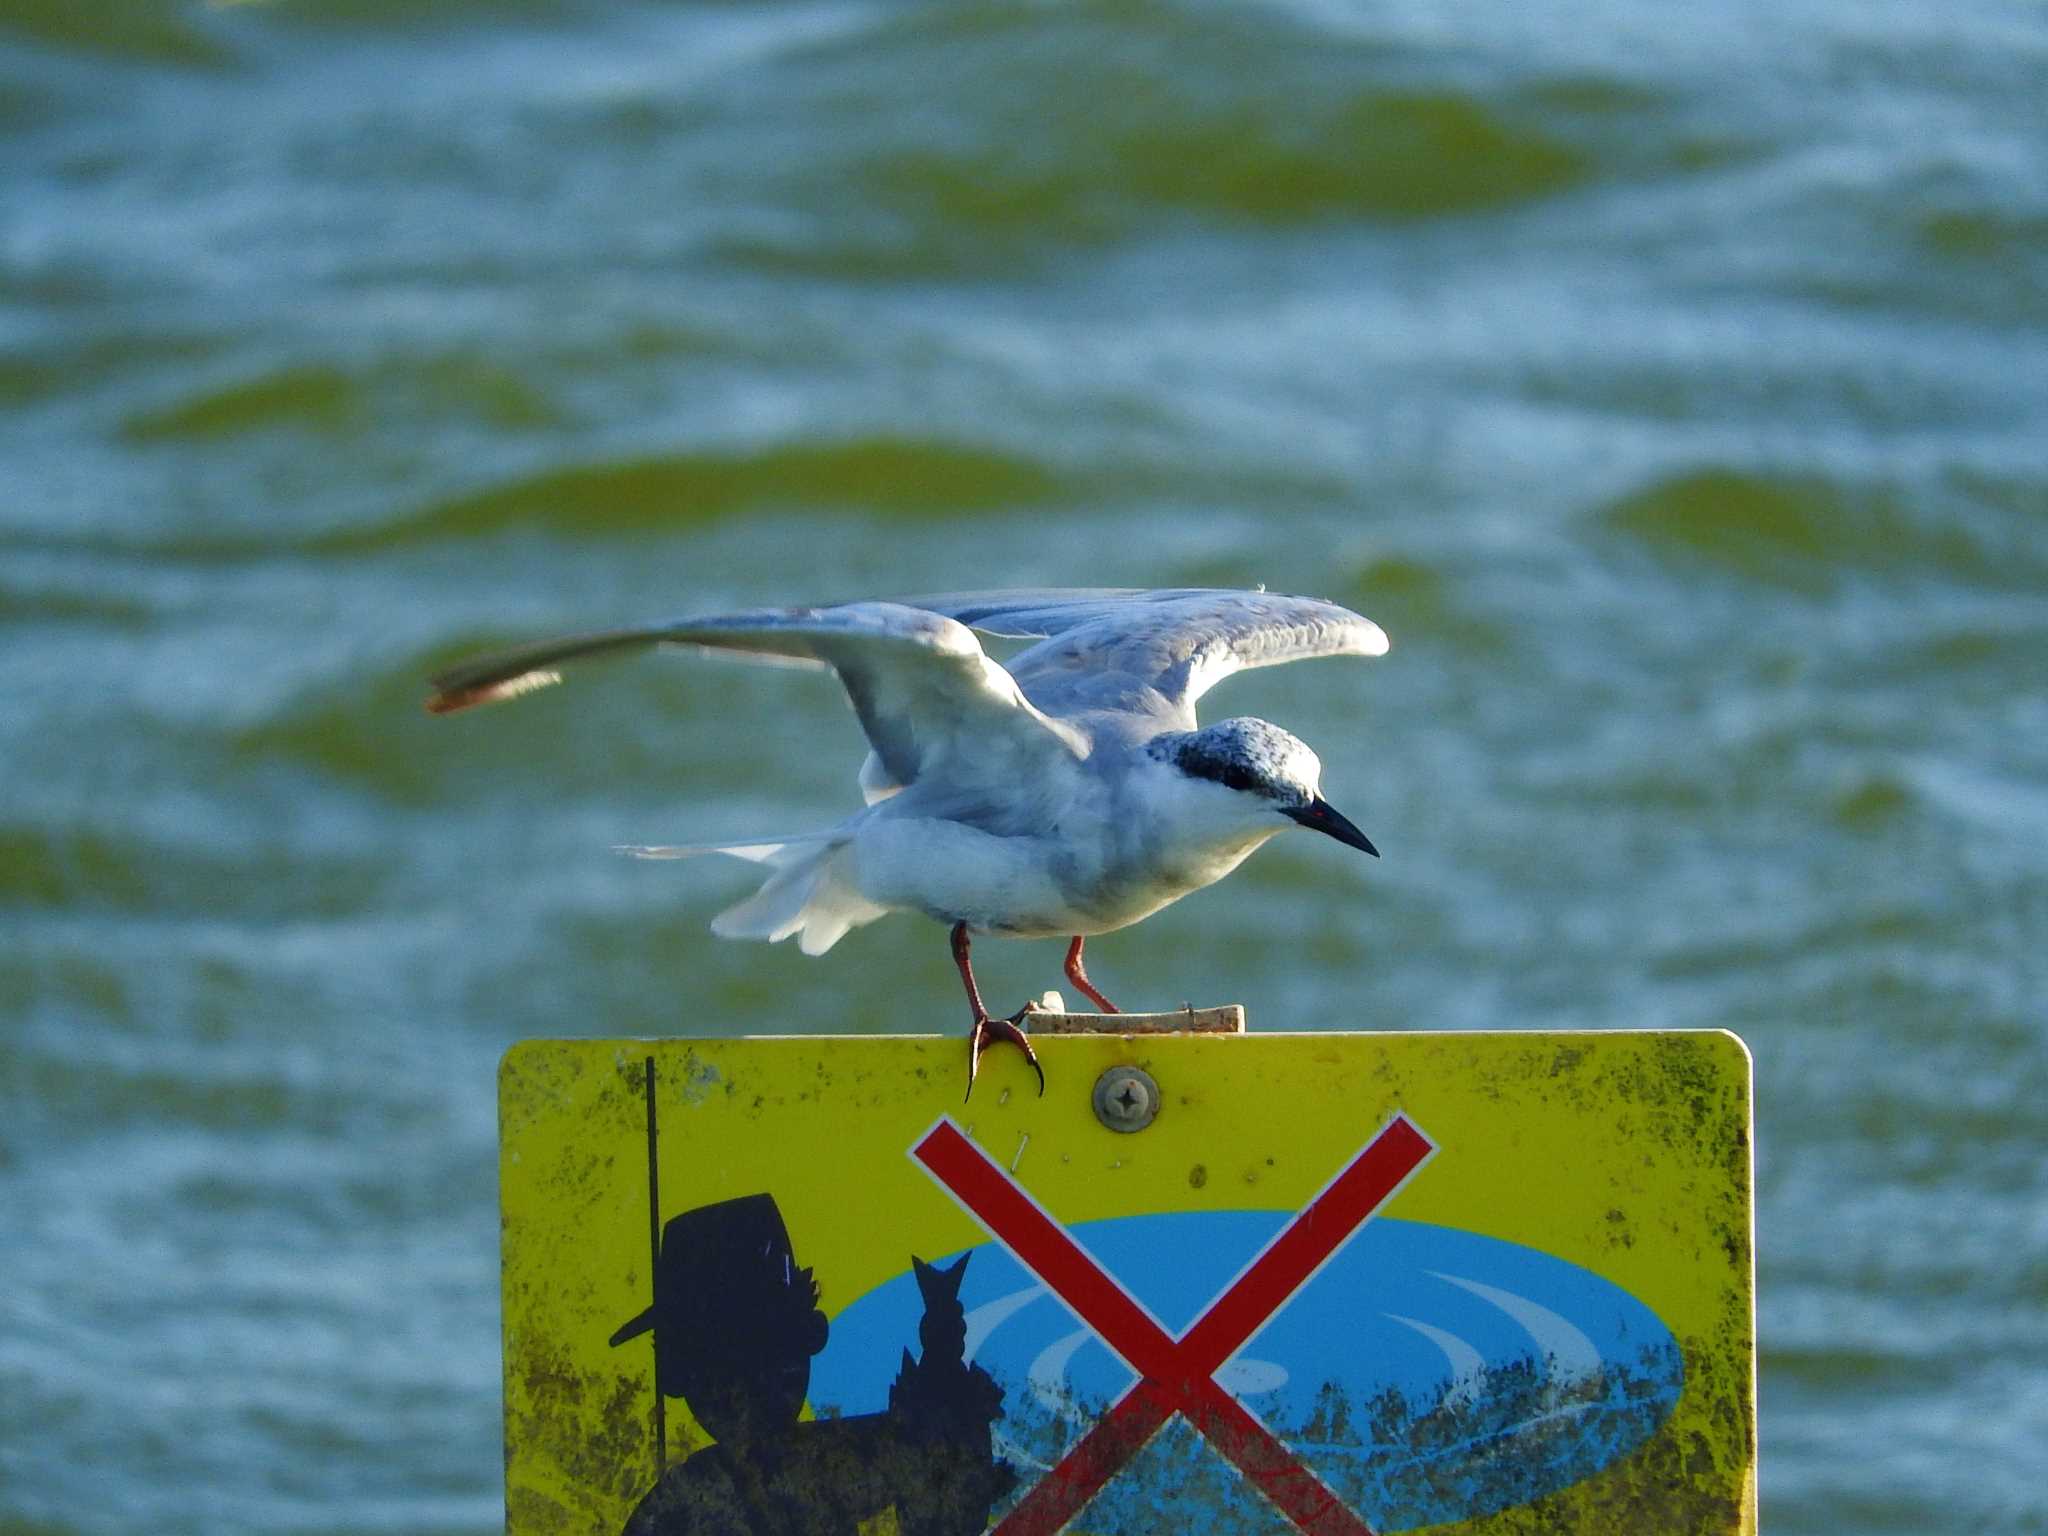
column 919, row 681
column 1111, row 645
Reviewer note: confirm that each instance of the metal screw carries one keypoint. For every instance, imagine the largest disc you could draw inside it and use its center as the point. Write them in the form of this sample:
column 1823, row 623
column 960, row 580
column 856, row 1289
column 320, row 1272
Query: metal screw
column 1126, row 1098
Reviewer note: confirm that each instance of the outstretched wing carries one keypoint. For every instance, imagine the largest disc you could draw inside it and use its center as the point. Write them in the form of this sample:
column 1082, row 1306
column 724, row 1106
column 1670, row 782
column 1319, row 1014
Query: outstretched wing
column 1105, row 647
column 919, row 682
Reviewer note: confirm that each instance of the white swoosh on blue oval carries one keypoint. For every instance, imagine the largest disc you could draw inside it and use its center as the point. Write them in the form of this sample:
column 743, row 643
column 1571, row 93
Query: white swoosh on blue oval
column 1570, row 1353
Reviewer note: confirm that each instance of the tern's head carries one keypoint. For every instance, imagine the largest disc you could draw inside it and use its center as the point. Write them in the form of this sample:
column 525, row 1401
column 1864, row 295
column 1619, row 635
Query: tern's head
column 1269, row 771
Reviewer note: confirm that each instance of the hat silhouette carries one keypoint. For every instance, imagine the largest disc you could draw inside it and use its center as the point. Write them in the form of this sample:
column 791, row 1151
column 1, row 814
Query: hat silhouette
column 734, row 1318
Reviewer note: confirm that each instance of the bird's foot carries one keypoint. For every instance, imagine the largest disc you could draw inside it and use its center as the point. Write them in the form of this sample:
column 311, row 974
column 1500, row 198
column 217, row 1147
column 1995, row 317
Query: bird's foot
column 988, row 1032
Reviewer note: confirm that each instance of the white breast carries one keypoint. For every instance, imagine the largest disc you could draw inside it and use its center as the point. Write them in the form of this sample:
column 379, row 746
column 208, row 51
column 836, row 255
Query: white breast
column 957, row 873
column 1101, row 862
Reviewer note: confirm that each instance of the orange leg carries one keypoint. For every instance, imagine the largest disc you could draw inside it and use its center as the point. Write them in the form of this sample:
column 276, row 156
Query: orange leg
column 988, row 1031
column 1079, row 977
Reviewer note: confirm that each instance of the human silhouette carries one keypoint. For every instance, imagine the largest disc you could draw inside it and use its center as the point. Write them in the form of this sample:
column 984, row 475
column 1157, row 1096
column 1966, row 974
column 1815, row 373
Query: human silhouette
column 736, row 1323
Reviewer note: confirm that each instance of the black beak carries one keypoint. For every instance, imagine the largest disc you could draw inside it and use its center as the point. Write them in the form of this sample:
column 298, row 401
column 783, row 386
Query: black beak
column 1320, row 816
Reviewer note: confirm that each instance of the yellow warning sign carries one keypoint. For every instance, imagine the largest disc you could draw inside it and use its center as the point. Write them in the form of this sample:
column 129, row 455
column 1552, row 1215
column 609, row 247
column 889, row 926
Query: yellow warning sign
column 1333, row 1283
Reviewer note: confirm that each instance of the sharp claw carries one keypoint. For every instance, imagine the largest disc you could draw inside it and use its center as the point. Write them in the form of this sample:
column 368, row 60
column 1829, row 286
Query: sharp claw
column 987, row 1032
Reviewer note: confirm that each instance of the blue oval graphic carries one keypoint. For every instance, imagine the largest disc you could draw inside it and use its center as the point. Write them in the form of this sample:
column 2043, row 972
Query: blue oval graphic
column 1426, row 1374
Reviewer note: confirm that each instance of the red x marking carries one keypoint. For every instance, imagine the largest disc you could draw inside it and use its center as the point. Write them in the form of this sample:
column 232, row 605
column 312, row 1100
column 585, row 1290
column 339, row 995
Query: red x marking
column 1177, row 1375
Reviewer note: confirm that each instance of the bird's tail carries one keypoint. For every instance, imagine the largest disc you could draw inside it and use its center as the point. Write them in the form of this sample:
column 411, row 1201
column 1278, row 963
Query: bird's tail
column 811, row 893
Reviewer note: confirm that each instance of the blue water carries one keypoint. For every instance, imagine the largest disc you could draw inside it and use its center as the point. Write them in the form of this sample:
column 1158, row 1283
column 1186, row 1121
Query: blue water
column 1668, row 383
